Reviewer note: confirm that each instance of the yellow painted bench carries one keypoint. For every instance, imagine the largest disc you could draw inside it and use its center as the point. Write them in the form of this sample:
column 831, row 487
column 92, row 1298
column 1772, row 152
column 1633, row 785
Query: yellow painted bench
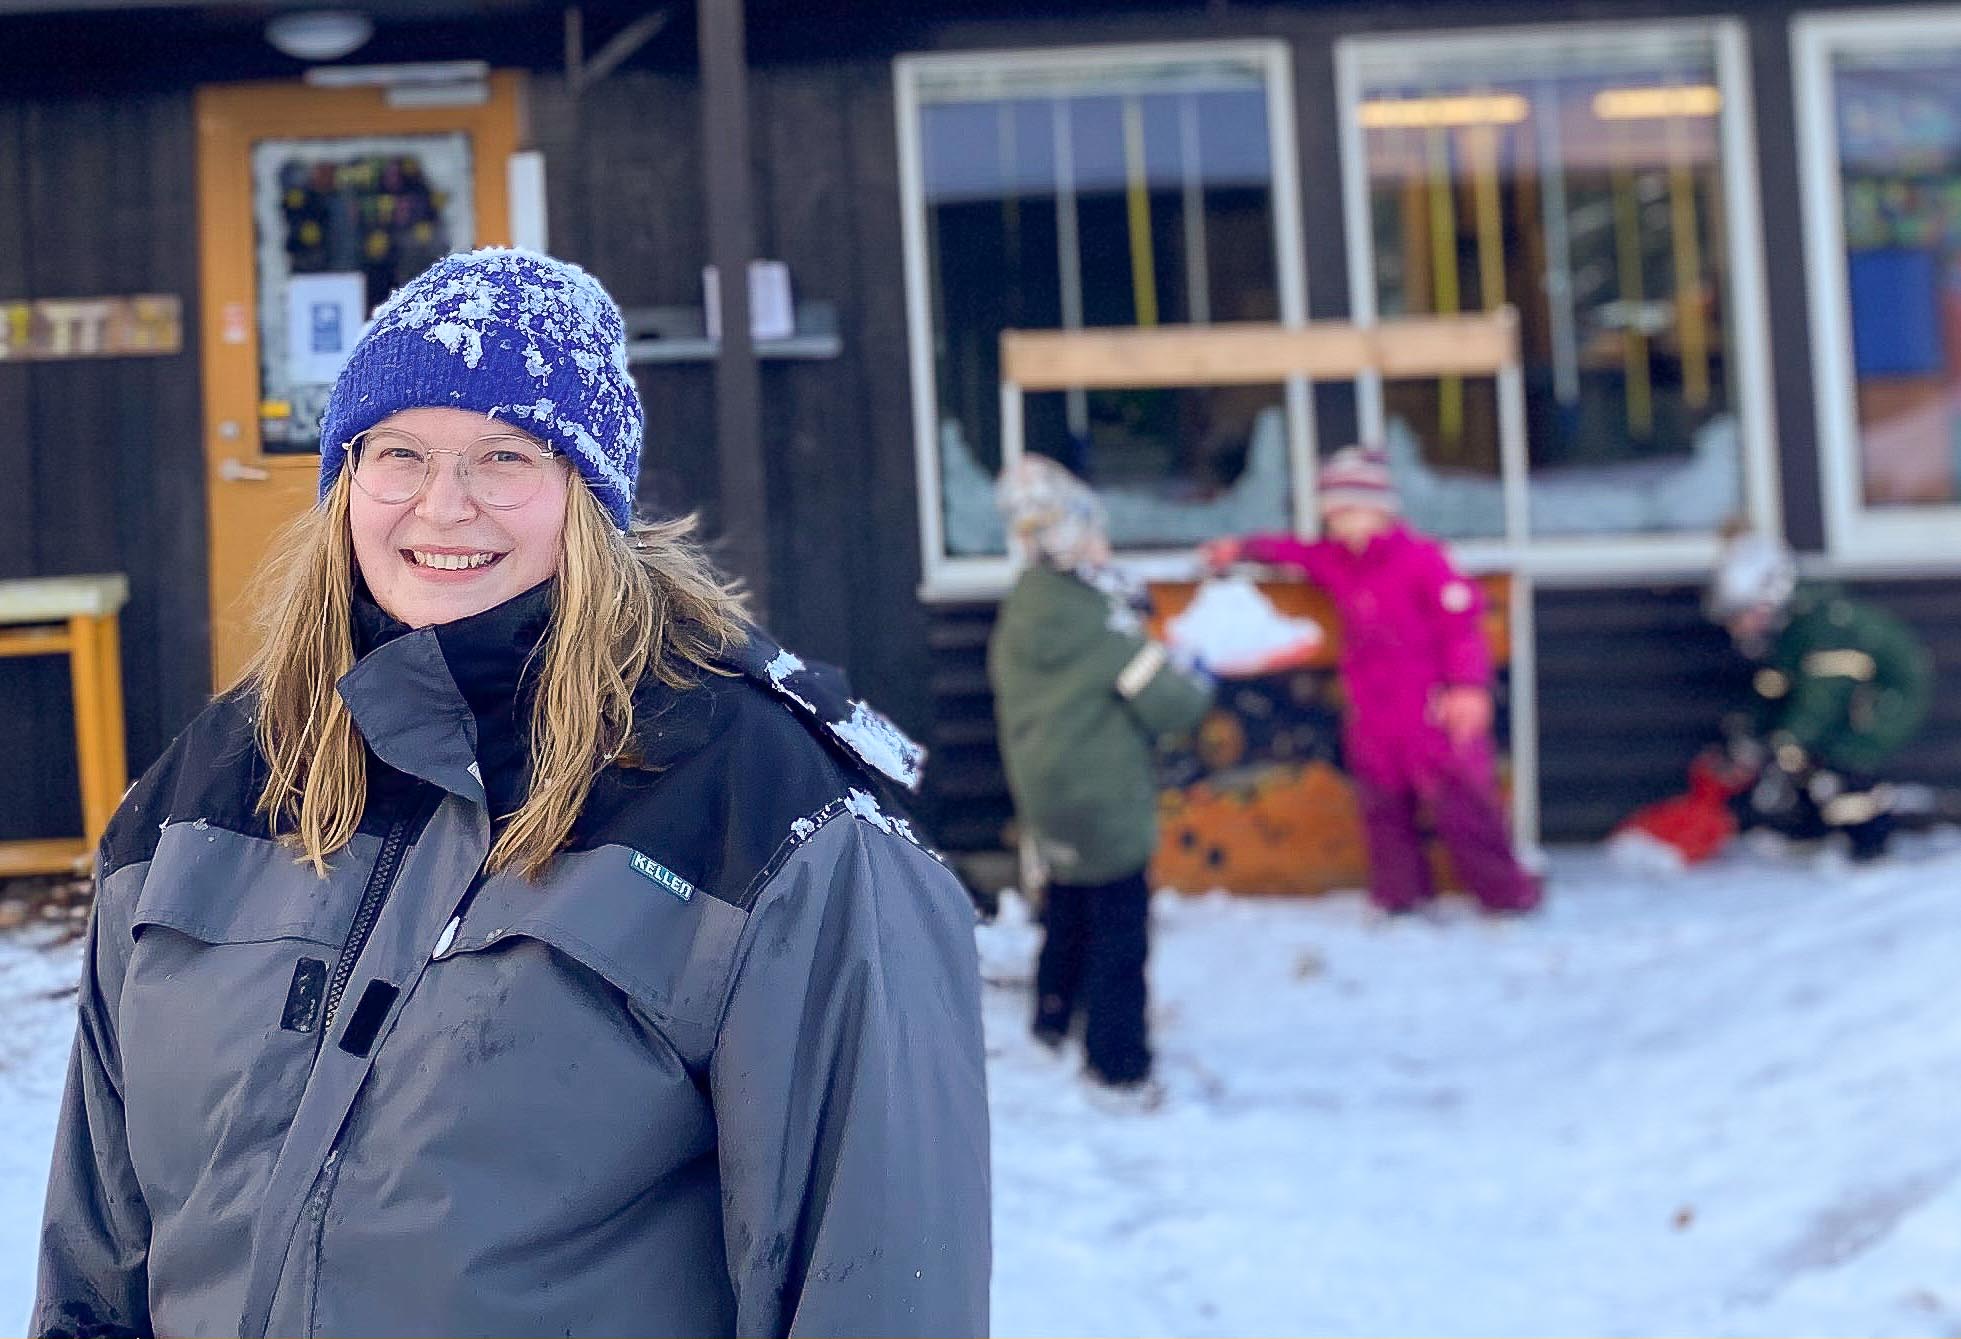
column 76, row 617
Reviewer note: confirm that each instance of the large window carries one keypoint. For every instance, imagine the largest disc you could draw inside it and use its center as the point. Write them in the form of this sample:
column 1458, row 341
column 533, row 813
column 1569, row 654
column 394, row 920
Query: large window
column 1597, row 179
column 1113, row 187
column 1880, row 101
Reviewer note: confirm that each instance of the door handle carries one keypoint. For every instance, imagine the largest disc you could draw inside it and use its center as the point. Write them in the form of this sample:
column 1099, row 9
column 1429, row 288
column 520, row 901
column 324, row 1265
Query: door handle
column 234, row 470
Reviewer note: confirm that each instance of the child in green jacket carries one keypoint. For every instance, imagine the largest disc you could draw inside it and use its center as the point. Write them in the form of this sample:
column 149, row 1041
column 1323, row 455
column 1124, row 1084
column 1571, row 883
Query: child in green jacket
column 1841, row 687
column 1081, row 694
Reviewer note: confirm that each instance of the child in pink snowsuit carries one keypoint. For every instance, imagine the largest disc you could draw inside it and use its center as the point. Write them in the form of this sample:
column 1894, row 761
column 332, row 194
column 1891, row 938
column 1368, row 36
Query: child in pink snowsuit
column 1417, row 675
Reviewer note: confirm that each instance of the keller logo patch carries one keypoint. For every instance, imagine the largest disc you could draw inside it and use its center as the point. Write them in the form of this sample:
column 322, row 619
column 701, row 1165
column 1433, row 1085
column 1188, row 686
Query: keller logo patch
column 662, row 875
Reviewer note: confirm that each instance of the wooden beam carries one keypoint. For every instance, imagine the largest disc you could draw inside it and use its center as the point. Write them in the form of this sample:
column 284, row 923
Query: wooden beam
column 59, row 855
column 1259, row 354
column 743, row 510
column 52, row 641
column 580, row 73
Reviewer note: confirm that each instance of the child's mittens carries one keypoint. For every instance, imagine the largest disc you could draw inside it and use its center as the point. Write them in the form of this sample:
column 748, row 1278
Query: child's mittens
column 1216, row 555
column 1463, row 712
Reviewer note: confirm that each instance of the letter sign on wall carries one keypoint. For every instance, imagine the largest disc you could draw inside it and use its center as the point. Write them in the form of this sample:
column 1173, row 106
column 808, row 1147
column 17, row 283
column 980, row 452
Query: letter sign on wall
column 91, row 327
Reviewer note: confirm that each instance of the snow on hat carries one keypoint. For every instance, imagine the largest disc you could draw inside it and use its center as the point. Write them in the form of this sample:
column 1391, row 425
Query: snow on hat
column 1357, row 476
column 1753, row 572
column 512, row 334
column 1051, row 510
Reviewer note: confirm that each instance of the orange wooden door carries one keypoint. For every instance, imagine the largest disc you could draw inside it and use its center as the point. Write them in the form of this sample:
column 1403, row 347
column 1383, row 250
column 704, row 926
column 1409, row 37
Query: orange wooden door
column 314, row 204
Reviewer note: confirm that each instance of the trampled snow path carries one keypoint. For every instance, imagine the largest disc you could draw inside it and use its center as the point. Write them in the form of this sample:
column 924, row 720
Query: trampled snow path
column 1724, row 1105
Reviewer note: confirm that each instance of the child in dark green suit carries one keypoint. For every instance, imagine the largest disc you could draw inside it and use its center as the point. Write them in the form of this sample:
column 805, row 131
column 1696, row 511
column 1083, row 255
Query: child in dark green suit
column 1841, row 686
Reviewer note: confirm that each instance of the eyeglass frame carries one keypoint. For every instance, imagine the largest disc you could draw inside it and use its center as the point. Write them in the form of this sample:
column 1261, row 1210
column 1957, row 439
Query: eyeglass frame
column 353, row 451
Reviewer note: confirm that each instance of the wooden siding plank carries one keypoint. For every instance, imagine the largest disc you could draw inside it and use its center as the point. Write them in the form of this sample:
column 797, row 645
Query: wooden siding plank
column 818, row 455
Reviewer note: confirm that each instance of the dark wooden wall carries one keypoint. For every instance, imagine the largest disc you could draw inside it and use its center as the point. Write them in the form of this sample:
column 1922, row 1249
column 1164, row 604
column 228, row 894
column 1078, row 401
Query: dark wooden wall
column 100, row 467
column 625, row 185
column 1633, row 682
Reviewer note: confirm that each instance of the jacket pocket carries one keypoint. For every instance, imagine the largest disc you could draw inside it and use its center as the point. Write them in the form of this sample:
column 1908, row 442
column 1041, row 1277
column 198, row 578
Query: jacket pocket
column 219, row 1017
column 223, row 887
column 671, row 955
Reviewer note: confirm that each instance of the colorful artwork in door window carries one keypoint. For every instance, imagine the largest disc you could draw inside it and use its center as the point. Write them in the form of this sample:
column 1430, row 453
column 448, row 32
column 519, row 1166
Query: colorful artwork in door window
column 379, row 215
column 341, row 224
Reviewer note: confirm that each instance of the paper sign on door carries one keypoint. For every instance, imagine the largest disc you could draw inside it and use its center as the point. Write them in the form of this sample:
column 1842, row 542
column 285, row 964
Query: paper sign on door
column 325, row 314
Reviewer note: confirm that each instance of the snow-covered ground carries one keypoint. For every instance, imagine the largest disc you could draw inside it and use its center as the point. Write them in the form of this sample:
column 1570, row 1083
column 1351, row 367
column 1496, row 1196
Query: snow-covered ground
column 37, row 1001
column 1724, row 1104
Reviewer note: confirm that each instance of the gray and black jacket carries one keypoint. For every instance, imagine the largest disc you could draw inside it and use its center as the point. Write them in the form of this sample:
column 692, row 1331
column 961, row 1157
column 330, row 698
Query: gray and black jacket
column 718, row 1071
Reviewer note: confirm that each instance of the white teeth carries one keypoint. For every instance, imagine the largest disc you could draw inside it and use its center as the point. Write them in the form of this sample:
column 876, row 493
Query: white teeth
column 452, row 562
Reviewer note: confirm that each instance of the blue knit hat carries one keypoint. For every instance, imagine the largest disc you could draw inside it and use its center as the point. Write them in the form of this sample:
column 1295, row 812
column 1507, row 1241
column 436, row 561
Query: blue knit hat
column 515, row 335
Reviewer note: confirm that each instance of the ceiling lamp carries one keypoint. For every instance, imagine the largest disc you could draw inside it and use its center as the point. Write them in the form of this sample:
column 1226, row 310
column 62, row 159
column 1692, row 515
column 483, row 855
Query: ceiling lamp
column 319, row 34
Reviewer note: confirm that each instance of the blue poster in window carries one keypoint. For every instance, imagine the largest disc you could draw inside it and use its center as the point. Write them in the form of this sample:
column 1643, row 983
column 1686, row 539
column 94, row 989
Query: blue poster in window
column 1896, row 327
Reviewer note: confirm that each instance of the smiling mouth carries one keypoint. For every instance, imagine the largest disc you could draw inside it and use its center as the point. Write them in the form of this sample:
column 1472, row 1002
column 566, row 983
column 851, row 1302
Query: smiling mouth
column 450, row 562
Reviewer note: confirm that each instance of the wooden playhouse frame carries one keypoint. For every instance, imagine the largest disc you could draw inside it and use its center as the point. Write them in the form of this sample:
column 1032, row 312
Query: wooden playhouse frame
column 1484, row 344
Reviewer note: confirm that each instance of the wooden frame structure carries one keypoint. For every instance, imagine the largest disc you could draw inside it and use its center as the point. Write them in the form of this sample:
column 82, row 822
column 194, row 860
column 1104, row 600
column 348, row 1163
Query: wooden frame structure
column 75, row 617
column 1481, row 345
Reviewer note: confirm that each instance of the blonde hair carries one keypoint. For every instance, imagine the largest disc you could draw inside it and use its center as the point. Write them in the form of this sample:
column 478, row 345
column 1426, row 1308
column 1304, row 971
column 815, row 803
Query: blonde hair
column 626, row 605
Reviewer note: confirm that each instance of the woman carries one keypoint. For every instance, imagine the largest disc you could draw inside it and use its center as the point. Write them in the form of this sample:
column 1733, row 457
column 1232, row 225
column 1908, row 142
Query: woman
column 501, row 956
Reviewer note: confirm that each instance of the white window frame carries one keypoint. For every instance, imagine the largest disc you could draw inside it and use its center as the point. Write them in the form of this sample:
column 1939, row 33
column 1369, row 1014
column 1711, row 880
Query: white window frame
column 1927, row 538
column 947, row 577
column 1575, row 557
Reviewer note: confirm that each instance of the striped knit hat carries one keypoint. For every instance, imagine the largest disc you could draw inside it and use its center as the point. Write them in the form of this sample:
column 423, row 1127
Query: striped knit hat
column 1357, row 476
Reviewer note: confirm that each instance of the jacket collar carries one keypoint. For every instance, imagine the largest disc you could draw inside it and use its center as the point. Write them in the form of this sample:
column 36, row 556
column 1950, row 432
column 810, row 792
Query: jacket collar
column 448, row 703
column 434, row 701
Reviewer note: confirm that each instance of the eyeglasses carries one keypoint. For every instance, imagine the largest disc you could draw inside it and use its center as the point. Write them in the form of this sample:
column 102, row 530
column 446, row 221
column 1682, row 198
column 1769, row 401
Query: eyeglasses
column 501, row 472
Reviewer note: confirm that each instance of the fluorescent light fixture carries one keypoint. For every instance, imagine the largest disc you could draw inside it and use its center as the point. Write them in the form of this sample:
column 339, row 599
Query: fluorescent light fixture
column 319, row 34
column 1649, row 104
column 1474, row 109
column 441, row 72
column 455, row 93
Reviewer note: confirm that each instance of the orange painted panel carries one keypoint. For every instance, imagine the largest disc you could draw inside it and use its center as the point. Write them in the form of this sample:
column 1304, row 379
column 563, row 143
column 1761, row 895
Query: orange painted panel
column 1261, row 804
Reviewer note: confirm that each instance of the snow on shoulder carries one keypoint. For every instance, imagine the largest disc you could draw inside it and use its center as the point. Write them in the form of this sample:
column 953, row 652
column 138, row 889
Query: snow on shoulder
column 821, row 694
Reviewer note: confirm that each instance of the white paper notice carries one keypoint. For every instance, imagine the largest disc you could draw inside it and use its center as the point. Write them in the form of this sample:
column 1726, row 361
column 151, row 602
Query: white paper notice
column 325, row 314
column 772, row 309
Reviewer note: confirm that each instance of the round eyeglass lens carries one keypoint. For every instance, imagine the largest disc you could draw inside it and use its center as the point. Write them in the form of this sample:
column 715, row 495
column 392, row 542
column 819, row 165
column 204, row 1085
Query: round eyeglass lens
column 390, row 466
column 501, row 472
column 505, row 472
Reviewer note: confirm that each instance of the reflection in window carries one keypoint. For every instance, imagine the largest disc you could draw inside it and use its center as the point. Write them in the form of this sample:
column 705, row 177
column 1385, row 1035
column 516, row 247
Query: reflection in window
column 1898, row 114
column 1133, row 192
column 1578, row 177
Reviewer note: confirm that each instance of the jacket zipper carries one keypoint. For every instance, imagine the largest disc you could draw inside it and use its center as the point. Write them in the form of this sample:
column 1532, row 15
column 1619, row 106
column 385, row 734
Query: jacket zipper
column 380, row 879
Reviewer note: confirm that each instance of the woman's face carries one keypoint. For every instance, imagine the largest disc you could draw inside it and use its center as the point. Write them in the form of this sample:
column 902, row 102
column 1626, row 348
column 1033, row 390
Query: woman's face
column 486, row 556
